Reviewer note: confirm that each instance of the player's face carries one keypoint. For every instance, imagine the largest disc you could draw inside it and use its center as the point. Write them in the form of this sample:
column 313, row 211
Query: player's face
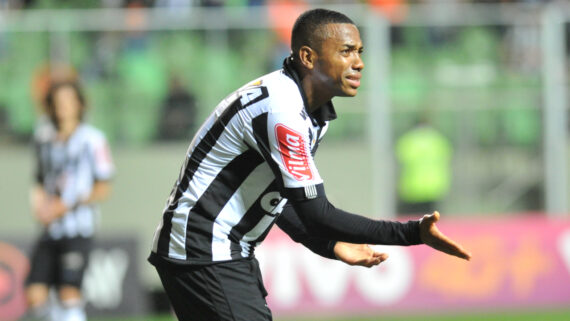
column 339, row 63
column 67, row 104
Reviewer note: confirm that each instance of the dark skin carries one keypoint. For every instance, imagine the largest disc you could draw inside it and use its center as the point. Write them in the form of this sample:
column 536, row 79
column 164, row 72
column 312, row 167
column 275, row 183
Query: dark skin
column 334, row 68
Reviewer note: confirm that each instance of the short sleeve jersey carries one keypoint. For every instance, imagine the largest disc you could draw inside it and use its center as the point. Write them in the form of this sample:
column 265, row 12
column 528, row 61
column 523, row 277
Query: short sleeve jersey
column 69, row 169
column 253, row 153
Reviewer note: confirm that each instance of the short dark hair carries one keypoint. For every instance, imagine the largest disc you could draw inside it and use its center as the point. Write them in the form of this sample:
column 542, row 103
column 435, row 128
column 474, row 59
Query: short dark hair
column 50, row 99
column 308, row 31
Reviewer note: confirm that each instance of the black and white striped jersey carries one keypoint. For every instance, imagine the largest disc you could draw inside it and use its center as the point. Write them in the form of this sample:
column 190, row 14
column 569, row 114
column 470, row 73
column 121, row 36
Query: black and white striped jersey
column 252, row 153
column 68, row 169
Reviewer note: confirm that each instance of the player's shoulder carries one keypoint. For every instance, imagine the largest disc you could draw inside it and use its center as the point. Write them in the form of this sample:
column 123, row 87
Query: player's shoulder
column 44, row 130
column 90, row 133
column 283, row 92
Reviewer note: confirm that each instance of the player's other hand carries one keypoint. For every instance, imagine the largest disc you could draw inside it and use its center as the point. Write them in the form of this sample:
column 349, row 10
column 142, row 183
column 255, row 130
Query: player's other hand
column 358, row 254
column 431, row 236
column 52, row 209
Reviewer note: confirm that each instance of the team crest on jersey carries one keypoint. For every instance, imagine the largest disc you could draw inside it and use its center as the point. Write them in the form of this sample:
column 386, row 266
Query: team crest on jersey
column 255, row 83
column 293, row 152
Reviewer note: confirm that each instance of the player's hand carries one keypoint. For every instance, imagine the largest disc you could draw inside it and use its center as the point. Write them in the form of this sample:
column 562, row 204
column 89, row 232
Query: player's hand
column 358, row 254
column 37, row 200
column 52, row 209
column 431, row 236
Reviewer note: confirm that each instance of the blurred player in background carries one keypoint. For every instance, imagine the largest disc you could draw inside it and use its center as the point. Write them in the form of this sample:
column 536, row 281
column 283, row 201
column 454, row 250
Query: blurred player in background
column 251, row 165
column 74, row 169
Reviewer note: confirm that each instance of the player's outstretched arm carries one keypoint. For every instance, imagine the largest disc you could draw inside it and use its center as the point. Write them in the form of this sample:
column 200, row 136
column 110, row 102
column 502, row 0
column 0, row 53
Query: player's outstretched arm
column 431, row 236
column 358, row 254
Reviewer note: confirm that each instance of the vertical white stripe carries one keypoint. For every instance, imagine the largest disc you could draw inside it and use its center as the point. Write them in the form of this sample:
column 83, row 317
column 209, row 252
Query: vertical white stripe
column 227, row 147
column 85, row 221
column 234, row 210
column 245, row 249
column 56, row 230
column 69, row 226
column 177, row 245
column 157, row 235
column 257, row 231
column 209, row 168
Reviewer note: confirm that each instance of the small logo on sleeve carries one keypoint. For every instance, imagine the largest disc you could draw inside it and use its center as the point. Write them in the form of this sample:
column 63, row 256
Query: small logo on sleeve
column 293, row 152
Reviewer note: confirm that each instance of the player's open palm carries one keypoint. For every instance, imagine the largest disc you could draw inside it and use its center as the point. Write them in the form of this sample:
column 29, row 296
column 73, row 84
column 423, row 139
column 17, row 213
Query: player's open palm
column 431, row 236
column 358, row 254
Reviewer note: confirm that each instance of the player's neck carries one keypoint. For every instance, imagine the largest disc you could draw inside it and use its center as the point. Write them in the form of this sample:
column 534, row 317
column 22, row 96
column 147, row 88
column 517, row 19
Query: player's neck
column 66, row 129
column 315, row 97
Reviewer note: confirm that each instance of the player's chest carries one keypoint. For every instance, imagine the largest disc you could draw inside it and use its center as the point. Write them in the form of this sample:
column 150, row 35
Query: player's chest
column 59, row 156
column 315, row 134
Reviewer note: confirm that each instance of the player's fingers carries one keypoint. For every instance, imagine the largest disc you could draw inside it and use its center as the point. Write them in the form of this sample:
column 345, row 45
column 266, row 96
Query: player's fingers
column 381, row 256
column 460, row 252
column 450, row 247
column 378, row 259
column 430, row 219
column 457, row 249
column 436, row 216
column 433, row 217
column 372, row 262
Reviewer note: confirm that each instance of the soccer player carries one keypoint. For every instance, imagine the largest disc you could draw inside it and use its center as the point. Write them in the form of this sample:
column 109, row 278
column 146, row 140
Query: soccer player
column 74, row 169
column 251, row 165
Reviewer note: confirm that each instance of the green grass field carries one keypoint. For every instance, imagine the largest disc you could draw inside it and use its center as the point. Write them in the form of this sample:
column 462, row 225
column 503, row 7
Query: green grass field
column 546, row 315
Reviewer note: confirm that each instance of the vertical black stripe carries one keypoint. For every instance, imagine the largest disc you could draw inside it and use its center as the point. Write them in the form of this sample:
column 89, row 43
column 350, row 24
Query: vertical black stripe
column 235, row 248
column 250, row 219
column 204, row 212
column 40, row 170
column 259, row 124
column 192, row 164
column 260, row 131
column 262, row 237
column 317, row 141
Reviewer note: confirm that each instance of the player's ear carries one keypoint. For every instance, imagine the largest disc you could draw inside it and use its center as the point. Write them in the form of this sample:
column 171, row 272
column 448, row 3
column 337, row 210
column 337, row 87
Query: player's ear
column 307, row 56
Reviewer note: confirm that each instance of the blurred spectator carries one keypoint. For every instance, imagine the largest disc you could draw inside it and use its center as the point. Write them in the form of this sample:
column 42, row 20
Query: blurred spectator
column 136, row 20
column 424, row 156
column 11, row 4
column 111, row 3
column 278, row 53
column 522, row 48
column 394, row 10
column 282, row 15
column 178, row 114
column 438, row 35
column 174, row 4
column 252, row 3
column 212, row 3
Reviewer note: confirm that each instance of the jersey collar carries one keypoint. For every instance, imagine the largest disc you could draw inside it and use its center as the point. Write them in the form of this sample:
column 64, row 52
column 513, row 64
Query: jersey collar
column 322, row 114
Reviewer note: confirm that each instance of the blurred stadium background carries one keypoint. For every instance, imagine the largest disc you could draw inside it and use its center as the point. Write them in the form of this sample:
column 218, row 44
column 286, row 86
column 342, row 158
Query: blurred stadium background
column 491, row 76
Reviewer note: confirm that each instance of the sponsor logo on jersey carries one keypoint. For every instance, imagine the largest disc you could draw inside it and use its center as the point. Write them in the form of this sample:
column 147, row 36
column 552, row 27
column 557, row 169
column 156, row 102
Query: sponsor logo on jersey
column 293, row 152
